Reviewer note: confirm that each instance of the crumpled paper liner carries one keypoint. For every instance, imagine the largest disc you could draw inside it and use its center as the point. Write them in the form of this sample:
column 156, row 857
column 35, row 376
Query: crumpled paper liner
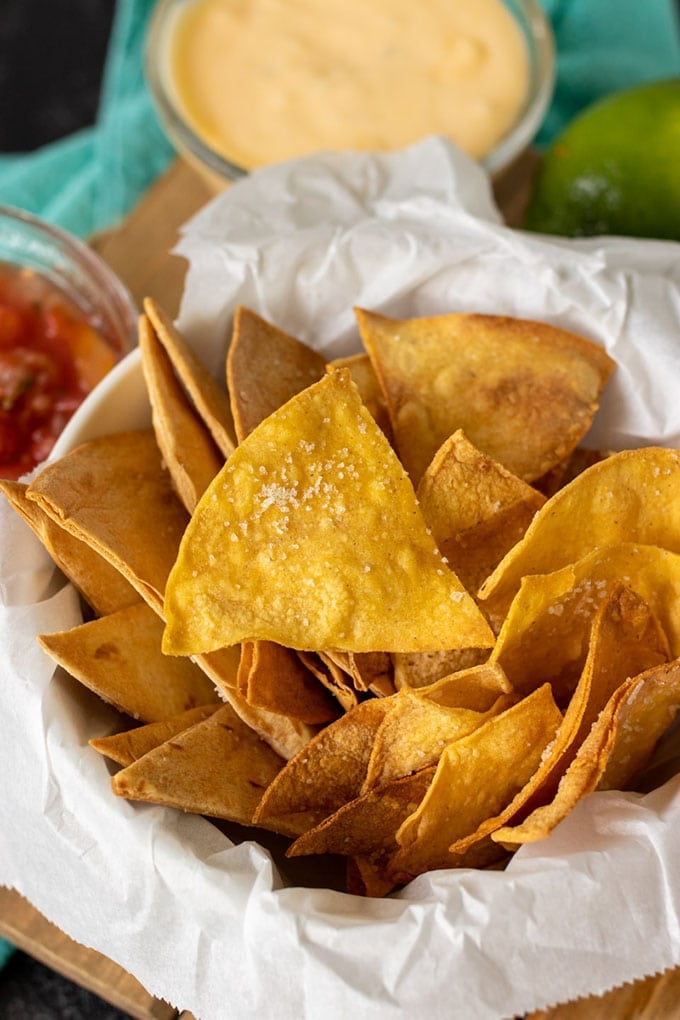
column 211, row 925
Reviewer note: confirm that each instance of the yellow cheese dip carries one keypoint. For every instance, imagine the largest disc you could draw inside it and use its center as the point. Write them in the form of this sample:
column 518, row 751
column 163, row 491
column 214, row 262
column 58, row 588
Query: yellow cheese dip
column 261, row 81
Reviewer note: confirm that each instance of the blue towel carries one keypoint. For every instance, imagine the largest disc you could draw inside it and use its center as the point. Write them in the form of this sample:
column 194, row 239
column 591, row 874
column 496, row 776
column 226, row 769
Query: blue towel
column 90, row 180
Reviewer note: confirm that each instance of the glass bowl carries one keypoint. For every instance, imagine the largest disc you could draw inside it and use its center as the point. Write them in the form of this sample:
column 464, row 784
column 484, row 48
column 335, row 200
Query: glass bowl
column 65, row 321
column 218, row 171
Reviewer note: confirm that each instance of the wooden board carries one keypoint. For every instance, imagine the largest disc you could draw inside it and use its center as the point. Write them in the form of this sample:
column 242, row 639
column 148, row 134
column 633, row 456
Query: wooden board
column 139, row 252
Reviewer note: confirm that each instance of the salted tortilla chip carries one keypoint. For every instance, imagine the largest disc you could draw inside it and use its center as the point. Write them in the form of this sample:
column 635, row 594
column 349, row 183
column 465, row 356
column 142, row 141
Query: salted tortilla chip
column 618, row 746
column 119, row 658
column 626, row 640
column 265, row 368
column 113, row 494
column 523, row 392
column 546, row 631
column 311, row 536
column 475, row 778
column 476, row 688
column 101, row 585
column 218, row 768
column 414, row 733
column 370, row 391
column 418, row 669
column 326, row 774
column 274, row 678
column 208, row 397
column 476, row 508
column 632, row 496
column 190, row 453
column 124, row 748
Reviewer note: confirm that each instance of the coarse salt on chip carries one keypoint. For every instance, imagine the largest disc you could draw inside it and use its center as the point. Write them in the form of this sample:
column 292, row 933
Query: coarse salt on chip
column 311, row 536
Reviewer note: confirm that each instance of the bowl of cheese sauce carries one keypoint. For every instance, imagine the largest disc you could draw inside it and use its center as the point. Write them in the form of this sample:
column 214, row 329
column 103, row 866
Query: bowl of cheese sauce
column 241, row 84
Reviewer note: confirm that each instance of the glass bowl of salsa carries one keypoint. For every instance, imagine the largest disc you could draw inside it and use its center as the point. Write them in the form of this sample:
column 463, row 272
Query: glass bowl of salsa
column 65, row 320
column 240, row 86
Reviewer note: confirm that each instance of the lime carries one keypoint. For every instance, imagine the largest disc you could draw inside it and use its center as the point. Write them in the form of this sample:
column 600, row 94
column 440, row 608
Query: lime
column 615, row 169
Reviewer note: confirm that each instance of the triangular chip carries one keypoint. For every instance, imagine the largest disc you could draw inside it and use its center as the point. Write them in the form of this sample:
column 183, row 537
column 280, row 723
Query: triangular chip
column 326, row 774
column 208, row 397
column 418, row 669
column 311, row 536
column 476, row 508
column 129, row 746
column 285, row 735
column 218, row 768
column 119, row 658
column 333, row 677
column 523, row 392
column 477, row 688
column 632, row 496
column 274, row 678
column 265, row 368
column 102, row 586
column 190, row 453
column 616, row 749
column 366, row 381
column 114, row 494
column 476, row 777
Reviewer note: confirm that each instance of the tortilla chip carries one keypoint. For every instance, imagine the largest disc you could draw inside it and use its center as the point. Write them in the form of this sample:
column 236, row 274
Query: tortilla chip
column 114, row 494
column 119, row 658
column 332, row 677
column 626, row 639
column 475, row 778
column 477, row 510
column 265, row 368
column 191, row 456
column 476, row 688
column 618, row 746
column 547, row 628
column 218, row 768
column 124, row 748
column 208, row 397
column 369, row 823
column 284, row 735
column 418, row 669
column 568, row 469
column 311, row 536
column 276, row 679
column 326, row 774
column 101, row 585
column 523, row 392
column 632, row 496
column 370, row 671
column 414, row 733
column 366, row 381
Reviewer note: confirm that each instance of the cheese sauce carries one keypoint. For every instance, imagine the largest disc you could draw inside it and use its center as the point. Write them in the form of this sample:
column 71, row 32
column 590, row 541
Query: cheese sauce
column 266, row 80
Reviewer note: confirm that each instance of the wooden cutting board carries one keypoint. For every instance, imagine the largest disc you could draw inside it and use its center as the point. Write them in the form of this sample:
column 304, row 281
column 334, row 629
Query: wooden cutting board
column 139, row 252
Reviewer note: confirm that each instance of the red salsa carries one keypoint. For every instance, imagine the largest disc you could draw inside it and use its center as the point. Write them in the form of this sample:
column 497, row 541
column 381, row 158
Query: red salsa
column 50, row 359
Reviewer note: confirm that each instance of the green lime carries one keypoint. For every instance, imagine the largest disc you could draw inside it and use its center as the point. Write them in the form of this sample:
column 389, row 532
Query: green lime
column 615, row 169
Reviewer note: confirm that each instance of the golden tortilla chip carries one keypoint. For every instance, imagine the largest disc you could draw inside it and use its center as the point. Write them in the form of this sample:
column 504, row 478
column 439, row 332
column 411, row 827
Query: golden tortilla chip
column 265, row 368
column 190, row 453
column 366, row 381
column 523, row 392
column 632, row 496
column 476, row 508
column 370, row 671
column 311, row 536
column 626, row 639
column 218, row 768
column 618, row 746
column 114, row 494
column 475, row 778
column 326, row 774
column 418, row 669
column 414, row 733
column 476, row 688
column 547, row 628
column 208, row 397
column 119, row 658
column 101, row 585
column 333, row 678
column 276, row 679
column 284, row 735
column 124, row 748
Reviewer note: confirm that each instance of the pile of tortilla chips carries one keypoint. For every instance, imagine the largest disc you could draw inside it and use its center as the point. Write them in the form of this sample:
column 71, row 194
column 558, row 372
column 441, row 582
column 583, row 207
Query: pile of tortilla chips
column 386, row 607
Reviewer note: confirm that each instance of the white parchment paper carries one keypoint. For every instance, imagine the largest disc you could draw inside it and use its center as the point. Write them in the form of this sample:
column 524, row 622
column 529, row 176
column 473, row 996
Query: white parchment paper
column 210, row 925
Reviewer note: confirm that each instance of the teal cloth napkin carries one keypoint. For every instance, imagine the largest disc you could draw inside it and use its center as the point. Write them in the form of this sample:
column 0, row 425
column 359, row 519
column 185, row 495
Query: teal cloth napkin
column 90, row 180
